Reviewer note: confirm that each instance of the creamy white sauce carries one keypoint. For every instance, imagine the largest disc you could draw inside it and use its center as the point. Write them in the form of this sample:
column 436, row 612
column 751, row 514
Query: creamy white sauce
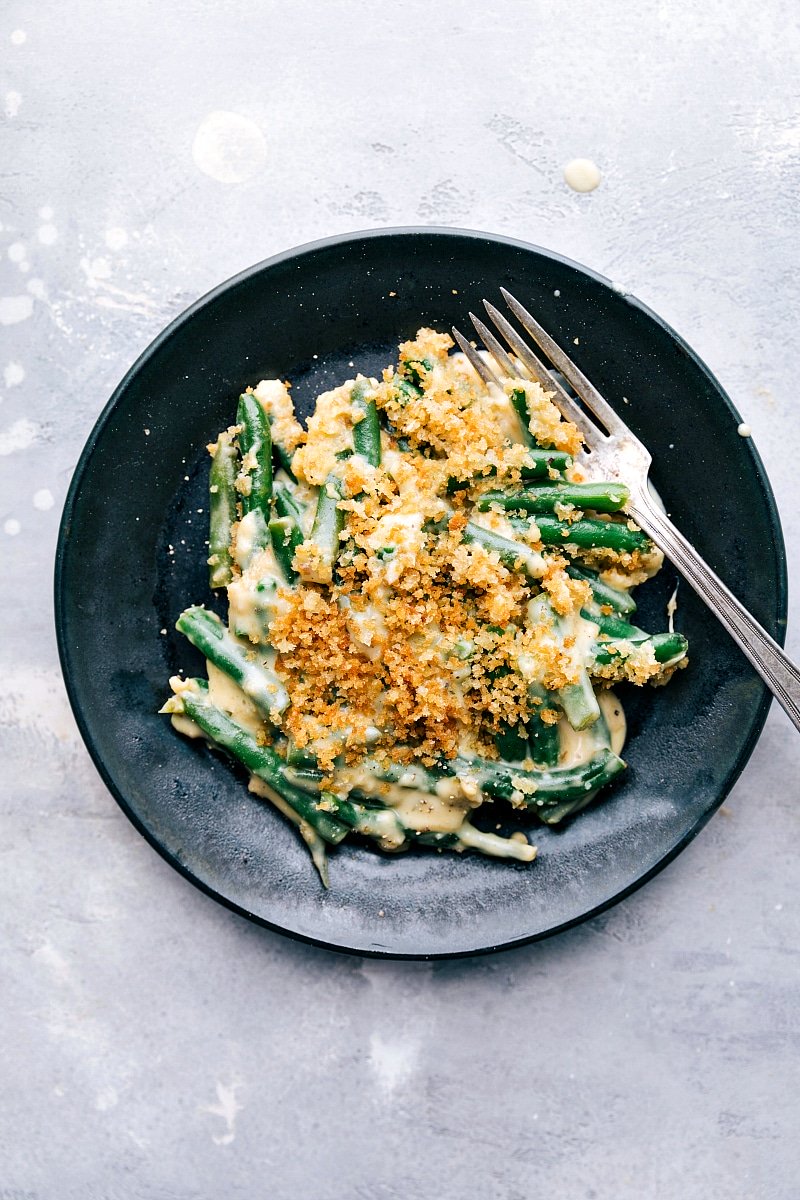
column 260, row 788
column 578, row 748
column 186, row 726
column 401, row 531
column 672, row 608
column 228, row 696
column 260, row 593
column 421, row 811
column 367, row 631
column 424, row 812
column 582, row 175
column 245, row 544
column 614, row 715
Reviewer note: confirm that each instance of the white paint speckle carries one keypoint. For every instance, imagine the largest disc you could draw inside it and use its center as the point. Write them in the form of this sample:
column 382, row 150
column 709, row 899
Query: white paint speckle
column 744, row 430
column 19, row 436
column 96, row 269
column 19, row 37
column 46, row 213
column 582, row 175
column 12, row 526
column 16, row 252
column 37, row 288
column 229, row 147
column 13, row 374
column 43, row 499
column 11, row 104
column 47, row 234
column 227, row 1107
column 393, row 1061
column 14, row 309
column 778, row 907
column 116, row 238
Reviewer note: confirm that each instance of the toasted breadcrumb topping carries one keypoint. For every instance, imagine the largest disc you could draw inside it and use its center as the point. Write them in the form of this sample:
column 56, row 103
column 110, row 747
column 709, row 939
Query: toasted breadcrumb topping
column 411, row 645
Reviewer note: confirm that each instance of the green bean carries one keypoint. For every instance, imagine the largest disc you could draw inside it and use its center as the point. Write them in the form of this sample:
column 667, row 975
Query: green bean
column 544, row 738
column 298, row 756
column 538, row 465
column 385, row 826
column 286, row 537
column 666, row 648
column 599, row 497
column 222, row 511
column 282, row 453
column 371, row 820
column 258, row 682
column 492, row 844
column 577, row 699
column 519, row 403
column 286, row 502
column 579, row 702
column 614, row 626
column 262, row 761
column 415, row 371
column 559, row 784
column 404, row 390
column 588, row 534
column 501, row 780
column 437, row 838
column 367, row 431
column 252, row 538
column 603, row 594
column 305, row 775
column 497, row 779
column 512, row 742
column 328, row 524
column 255, row 444
column 515, row 555
column 541, row 462
column 338, row 807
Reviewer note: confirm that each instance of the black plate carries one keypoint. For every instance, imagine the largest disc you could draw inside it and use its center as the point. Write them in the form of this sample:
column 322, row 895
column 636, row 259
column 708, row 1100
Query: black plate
column 131, row 556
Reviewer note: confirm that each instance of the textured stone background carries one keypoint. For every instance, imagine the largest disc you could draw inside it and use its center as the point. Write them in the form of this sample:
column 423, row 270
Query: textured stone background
column 157, row 1046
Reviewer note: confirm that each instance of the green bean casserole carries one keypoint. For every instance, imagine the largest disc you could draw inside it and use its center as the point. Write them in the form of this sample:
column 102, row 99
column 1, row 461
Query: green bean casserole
column 429, row 600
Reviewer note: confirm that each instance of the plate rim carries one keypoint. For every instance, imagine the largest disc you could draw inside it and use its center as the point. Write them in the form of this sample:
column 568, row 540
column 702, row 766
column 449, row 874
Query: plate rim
column 62, row 551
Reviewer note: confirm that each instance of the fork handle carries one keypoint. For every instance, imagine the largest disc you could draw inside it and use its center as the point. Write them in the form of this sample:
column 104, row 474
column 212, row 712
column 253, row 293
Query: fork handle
column 779, row 673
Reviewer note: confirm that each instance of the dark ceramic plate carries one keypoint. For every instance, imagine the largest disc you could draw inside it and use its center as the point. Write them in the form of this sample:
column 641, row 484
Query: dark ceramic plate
column 132, row 552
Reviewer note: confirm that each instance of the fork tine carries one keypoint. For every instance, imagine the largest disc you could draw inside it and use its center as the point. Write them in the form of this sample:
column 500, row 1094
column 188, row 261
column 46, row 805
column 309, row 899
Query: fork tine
column 537, row 369
column 493, row 346
column 485, row 372
column 563, row 363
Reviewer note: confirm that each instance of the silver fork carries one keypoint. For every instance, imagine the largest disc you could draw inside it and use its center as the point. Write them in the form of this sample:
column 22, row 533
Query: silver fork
column 617, row 454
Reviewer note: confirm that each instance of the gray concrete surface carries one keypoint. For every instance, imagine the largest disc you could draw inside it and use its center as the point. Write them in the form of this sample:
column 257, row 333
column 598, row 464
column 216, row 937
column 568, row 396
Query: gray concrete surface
column 156, row 1046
